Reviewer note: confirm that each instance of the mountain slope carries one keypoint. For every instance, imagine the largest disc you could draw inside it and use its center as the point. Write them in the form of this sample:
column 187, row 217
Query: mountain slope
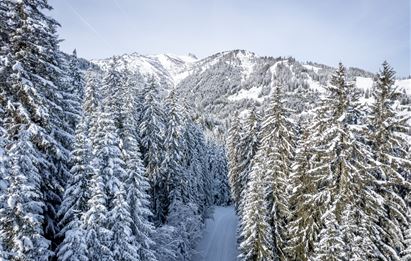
column 236, row 80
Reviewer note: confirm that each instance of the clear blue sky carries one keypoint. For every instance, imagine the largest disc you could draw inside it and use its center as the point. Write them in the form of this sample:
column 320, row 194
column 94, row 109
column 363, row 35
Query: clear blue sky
column 359, row 33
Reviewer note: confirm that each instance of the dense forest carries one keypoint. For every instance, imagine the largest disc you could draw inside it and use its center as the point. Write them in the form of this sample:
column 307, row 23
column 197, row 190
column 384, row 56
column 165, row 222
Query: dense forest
column 331, row 184
column 95, row 166
column 110, row 160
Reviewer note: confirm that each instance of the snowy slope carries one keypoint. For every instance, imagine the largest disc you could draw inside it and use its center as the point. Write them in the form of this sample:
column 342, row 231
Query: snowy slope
column 167, row 68
column 219, row 241
column 236, row 80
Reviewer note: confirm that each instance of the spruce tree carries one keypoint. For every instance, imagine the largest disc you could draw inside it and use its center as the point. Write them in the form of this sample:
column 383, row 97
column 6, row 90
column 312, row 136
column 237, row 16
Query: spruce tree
column 21, row 218
column 151, row 132
column 233, row 140
column 174, row 183
column 388, row 139
column 256, row 232
column 76, row 196
column 32, row 92
column 247, row 149
column 136, row 184
column 97, row 230
column 304, row 223
column 342, row 173
column 277, row 142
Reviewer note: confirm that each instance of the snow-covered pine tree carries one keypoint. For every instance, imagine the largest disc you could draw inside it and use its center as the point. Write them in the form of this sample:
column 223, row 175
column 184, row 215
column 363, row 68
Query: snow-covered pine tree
column 76, row 196
column 4, row 46
column 123, row 245
column 174, row 184
column 233, row 140
column 136, row 184
column 304, row 223
column 91, row 104
column 112, row 169
column 256, row 234
column 277, row 143
column 21, row 218
column 247, row 149
column 33, row 97
column 97, row 231
column 330, row 246
column 342, row 173
column 388, row 138
column 76, row 76
column 198, row 178
column 152, row 138
column 218, row 164
column 113, row 87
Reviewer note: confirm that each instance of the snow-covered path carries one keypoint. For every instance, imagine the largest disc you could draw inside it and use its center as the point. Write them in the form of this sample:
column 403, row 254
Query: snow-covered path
column 219, row 241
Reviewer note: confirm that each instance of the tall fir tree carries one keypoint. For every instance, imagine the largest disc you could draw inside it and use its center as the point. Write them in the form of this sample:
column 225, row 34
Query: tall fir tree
column 151, row 132
column 32, row 90
column 256, row 231
column 175, row 185
column 304, row 223
column 343, row 177
column 233, row 139
column 388, row 139
column 21, row 217
column 247, row 148
column 136, row 183
column 277, row 142
column 76, row 196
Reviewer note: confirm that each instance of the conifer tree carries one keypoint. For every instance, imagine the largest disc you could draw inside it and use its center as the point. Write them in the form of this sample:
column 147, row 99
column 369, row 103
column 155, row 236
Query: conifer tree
column 343, row 175
column 136, row 184
column 91, row 105
column 151, row 130
column 304, row 223
column 388, row 138
column 33, row 97
column 97, row 231
column 21, row 218
column 257, row 236
column 174, row 181
column 233, row 140
column 122, row 242
column 247, row 149
column 75, row 198
column 277, row 144
column 331, row 242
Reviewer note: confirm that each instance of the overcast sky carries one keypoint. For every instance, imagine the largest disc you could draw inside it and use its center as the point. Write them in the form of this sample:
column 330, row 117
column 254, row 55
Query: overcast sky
column 360, row 33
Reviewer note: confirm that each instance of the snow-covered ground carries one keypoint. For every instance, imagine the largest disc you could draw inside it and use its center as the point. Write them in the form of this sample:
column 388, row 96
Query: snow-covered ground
column 252, row 93
column 219, row 241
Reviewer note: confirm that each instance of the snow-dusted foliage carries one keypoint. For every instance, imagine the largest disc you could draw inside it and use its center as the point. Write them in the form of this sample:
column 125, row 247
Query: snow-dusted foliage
column 123, row 158
column 256, row 231
column 336, row 191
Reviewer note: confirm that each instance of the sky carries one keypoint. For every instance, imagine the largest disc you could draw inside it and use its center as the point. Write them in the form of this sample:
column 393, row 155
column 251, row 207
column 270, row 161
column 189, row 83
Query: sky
column 358, row 33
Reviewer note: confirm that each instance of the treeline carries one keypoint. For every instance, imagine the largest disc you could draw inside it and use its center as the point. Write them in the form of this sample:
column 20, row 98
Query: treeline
column 95, row 167
column 329, row 184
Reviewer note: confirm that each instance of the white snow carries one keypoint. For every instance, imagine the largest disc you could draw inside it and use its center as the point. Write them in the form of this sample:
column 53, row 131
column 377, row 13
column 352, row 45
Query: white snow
column 273, row 67
column 314, row 84
column 173, row 67
column 404, row 85
column 246, row 64
column 311, row 67
column 252, row 93
column 219, row 242
column 177, row 66
column 364, row 82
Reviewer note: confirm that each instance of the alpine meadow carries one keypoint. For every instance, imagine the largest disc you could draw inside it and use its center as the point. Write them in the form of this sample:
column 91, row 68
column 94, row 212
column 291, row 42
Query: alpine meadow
column 230, row 156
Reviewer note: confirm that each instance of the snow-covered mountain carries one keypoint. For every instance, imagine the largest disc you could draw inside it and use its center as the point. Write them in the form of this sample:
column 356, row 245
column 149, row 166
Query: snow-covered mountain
column 169, row 69
column 235, row 80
